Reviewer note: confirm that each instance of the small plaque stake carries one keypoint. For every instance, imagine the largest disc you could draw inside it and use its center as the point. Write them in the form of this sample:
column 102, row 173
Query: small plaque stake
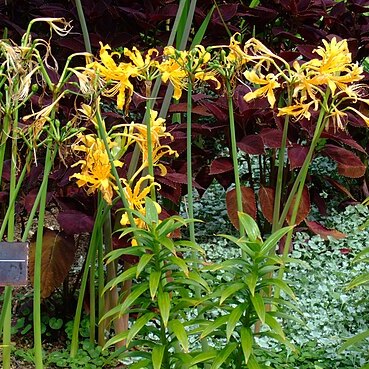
column 13, row 263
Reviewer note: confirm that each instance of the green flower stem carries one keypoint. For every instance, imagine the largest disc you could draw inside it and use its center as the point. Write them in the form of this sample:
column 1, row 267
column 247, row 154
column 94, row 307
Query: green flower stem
column 189, row 162
column 10, row 236
column 101, row 280
column 300, row 183
column 100, row 217
column 149, row 148
column 234, row 153
column 4, row 138
column 111, row 269
column 279, row 184
column 7, row 348
column 38, row 258
column 92, row 297
column 303, row 171
column 82, row 21
column 103, row 136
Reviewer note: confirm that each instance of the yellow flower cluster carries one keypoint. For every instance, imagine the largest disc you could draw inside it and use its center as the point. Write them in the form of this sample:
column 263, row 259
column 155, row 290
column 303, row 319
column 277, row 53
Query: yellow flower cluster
column 178, row 67
column 332, row 74
column 95, row 167
column 327, row 82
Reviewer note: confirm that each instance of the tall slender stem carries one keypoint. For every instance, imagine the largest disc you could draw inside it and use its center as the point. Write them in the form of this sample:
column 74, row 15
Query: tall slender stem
column 300, row 183
column 10, row 231
column 279, row 184
column 189, row 161
column 38, row 258
column 101, row 213
column 82, row 21
column 236, row 172
column 150, row 148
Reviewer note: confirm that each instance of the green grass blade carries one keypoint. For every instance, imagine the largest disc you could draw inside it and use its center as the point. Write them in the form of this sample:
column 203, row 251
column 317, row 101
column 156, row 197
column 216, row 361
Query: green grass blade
column 202, row 29
column 354, row 340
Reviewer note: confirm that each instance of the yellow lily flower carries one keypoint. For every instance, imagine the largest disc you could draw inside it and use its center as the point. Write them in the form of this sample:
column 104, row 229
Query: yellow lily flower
column 119, row 75
column 136, row 199
column 268, row 83
column 138, row 133
column 171, row 70
column 298, row 111
column 95, row 167
column 146, row 68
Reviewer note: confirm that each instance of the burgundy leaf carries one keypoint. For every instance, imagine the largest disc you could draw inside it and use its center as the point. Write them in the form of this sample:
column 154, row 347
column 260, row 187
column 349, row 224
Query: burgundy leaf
column 304, row 208
column 218, row 112
column 221, row 165
column 266, row 199
column 349, row 165
column 324, row 232
column 182, row 108
column 340, row 187
column 75, row 222
column 344, row 138
column 297, row 155
column 248, row 204
column 272, row 138
column 252, row 144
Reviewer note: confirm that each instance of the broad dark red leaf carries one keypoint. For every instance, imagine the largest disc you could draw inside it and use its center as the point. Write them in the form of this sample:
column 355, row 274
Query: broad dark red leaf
column 345, row 138
column 58, row 252
column 75, row 222
column 252, row 144
column 248, row 204
column 221, row 165
column 182, row 108
column 220, row 114
column 340, row 187
column 266, row 199
column 324, row 232
column 297, row 155
column 272, row 138
column 348, row 164
column 304, row 208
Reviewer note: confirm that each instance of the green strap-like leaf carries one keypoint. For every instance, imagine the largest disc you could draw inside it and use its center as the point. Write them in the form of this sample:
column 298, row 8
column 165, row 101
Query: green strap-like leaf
column 230, row 290
column 142, row 364
column 154, row 280
column 151, row 211
column 223, row 355
column 180, row 263
column 274, row 325
column 157, row 356
column 131, row 298
column 354, row 340
column 358, row 281
column 117, row 338
column 234, row 318
column 203, row 357
column 251, row 280
column 259, row 306
column 179, row 331
column 144, row 260
column 271, row 242
column 126, row 275
column 164, row 306
column 247, row 341
column 138, row 325
column 214, row 325
column 252, row 363
column 168, row 243
column 250, row 226
column 202, row 29
column 280, row 284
